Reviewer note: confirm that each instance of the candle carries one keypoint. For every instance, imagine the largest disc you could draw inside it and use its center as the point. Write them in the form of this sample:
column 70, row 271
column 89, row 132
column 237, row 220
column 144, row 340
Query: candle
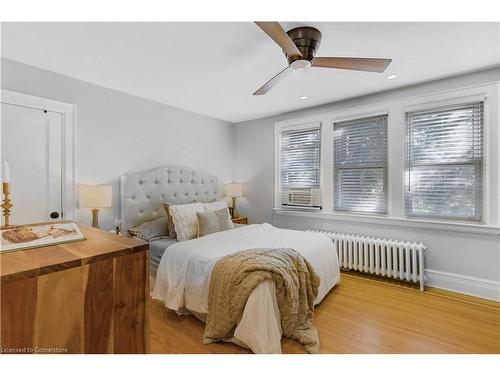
column 5, row 172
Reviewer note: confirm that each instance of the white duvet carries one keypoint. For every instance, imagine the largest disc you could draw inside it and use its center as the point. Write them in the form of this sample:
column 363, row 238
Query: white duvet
column 183, row 277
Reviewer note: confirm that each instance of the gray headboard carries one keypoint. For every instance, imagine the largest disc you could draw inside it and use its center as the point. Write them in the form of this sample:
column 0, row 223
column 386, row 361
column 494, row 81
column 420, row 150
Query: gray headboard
column 142, row 194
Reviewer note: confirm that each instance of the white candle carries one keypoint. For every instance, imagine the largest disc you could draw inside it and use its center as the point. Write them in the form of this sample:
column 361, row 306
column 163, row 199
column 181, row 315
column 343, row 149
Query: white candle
column 5, row 172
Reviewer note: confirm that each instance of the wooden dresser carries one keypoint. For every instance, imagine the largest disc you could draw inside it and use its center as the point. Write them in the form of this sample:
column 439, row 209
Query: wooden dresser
column 90, row 296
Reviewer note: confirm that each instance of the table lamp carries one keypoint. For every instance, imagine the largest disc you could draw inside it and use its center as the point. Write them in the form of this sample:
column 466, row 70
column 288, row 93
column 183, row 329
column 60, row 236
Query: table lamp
column 234, row 190
column 95, row 197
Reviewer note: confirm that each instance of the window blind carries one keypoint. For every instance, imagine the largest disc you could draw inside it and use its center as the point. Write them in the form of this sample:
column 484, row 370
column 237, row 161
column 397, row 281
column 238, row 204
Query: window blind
column 360, row 165
column 300, row 159
column 445, row 162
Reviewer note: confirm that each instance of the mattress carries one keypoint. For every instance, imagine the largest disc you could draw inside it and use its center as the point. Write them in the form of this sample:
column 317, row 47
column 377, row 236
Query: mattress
column 183, row 277
column 156, row 250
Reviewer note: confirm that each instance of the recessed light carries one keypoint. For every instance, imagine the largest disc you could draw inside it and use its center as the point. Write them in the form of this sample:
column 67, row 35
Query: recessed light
column 392, row 76
column 303, row 97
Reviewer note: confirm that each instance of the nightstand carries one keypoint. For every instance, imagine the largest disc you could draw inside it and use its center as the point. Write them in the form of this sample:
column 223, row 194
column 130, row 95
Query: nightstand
column 240, row 220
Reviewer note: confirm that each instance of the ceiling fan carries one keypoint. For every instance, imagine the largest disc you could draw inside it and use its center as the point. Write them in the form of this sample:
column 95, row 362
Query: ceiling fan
column 300, row 46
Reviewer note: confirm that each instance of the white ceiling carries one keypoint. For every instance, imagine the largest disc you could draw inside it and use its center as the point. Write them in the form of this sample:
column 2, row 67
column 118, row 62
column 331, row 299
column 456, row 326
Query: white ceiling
column 213, row 68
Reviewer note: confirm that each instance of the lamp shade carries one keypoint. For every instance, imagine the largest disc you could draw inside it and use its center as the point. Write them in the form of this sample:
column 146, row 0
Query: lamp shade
column 234, row 189
column 95, row 196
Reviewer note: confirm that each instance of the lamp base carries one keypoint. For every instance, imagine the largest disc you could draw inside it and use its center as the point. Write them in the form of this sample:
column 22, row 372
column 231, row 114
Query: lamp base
column 95, row 218
column 234, row 211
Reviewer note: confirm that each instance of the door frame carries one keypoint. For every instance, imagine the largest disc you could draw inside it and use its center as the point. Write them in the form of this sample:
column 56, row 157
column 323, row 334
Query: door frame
column 68, row 121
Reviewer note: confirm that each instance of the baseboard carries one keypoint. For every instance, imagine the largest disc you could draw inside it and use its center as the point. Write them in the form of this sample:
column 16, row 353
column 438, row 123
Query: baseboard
column 472, row 286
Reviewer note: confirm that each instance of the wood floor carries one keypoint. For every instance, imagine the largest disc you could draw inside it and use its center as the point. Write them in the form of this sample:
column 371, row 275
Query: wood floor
column 362, row 315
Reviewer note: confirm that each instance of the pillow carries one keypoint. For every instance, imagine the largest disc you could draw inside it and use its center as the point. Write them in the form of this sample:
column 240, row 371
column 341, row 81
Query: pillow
column 185, row 220
column 151, row 230
column 218, row 205
column 214, row 221
column 170, row 224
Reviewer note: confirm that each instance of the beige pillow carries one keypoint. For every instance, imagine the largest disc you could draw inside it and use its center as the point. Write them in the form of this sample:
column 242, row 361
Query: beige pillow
column 214, row 221
column 170, row 223
column 214, row 206
column 185, row 220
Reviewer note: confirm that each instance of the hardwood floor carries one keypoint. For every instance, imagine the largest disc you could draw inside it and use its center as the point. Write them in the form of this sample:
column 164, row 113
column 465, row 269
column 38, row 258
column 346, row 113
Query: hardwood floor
column 362, row 315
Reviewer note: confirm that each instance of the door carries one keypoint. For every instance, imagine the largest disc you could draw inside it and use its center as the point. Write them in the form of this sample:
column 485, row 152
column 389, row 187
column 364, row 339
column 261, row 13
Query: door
column 32, row 145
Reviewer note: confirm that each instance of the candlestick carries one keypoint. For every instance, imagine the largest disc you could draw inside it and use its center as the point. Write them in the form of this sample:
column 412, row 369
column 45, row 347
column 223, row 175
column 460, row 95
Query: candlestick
column 6, row 205
column 5, row 172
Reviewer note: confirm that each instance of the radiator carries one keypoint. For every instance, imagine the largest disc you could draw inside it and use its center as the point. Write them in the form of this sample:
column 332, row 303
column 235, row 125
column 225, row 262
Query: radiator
column 379, row 256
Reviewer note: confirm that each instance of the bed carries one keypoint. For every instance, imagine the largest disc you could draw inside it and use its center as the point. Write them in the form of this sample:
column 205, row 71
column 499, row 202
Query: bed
column 183, row 268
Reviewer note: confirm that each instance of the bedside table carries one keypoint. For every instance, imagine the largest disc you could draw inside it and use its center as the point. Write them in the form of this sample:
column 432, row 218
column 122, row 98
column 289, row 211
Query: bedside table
column 240, row 220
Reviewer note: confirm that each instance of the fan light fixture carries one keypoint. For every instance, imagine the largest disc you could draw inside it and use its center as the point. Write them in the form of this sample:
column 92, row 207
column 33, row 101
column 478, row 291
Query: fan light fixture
column 300, row 45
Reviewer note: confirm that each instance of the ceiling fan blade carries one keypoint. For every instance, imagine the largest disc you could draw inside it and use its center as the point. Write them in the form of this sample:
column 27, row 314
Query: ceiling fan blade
column 352, row 63
column 273, row 81
column 276, row 33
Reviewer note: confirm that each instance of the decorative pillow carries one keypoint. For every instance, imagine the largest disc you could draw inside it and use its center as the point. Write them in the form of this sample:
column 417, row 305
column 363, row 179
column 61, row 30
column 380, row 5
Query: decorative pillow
column 214, row 206
column 151, row 230
column 225, row 221
column 170, row 224
column 218, row 205
column 214, row 221
column 185, row 220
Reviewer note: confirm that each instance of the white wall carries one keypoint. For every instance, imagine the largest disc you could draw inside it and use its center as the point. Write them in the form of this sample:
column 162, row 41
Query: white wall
column 117, row 133
column 455, row 260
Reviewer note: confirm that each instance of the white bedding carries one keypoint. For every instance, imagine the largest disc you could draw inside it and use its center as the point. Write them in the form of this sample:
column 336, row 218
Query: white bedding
column 183, row 277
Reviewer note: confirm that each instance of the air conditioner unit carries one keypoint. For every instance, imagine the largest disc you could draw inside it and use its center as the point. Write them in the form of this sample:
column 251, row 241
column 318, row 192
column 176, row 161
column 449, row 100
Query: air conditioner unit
column 301, row 198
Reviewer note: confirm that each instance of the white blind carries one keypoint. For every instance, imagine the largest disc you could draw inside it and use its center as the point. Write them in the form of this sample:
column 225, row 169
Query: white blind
column 445, row 162
column 360, row 165
column 300, row 159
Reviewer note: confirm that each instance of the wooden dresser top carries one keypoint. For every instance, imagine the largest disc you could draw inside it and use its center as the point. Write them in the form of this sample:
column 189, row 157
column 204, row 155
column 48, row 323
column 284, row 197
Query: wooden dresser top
column 97, row 246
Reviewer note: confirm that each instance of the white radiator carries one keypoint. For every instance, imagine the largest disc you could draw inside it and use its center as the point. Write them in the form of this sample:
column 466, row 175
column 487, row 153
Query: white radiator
column 379, row 256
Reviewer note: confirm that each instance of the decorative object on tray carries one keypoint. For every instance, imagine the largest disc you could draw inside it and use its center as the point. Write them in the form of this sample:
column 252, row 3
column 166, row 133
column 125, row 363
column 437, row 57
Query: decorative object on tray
column 233, row 190
column 38, row 235
column 95, row 197
column 6, row 203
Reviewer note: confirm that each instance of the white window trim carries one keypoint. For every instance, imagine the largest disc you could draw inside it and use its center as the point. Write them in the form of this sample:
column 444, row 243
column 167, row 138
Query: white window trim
column 277, row 159
column 396, row 109
column 335, row 119
column 68, row 113
column 482, row 97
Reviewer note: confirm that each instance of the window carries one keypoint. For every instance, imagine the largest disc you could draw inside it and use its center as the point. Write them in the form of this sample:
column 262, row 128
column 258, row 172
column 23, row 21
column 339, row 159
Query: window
column 444, row 162
column 300, row 167
column 360, row 165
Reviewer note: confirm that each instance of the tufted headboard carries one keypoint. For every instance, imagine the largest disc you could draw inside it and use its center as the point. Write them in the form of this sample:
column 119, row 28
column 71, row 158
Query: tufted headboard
column 142, row 194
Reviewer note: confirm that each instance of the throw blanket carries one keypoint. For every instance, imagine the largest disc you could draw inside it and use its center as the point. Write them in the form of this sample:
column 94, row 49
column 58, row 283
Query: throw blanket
column 236, row 275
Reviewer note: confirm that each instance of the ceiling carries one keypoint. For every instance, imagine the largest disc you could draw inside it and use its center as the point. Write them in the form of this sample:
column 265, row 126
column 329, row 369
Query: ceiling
column 213, row 68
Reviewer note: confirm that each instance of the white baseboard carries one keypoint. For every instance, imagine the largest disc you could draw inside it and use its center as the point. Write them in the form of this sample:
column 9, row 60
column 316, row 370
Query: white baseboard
column 473, row 286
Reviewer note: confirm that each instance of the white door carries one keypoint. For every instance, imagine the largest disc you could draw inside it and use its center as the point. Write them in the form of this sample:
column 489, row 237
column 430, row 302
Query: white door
column 32, row 145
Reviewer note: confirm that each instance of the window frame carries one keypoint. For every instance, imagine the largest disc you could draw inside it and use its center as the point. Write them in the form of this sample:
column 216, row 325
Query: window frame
column 396, row 106
column 480, row 200
column 385, row 167
column 278, row 145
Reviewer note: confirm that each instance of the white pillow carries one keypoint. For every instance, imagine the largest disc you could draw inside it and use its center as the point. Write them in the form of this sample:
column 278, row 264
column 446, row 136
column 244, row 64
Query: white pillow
column 216, row 206
column 185, row 220
column 214, row 221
